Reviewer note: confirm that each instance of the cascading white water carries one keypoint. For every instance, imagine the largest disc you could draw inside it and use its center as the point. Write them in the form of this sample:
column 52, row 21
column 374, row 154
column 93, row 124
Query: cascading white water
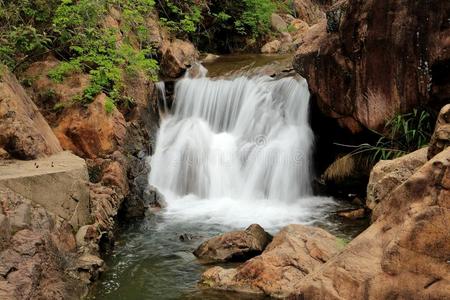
column 237, row 151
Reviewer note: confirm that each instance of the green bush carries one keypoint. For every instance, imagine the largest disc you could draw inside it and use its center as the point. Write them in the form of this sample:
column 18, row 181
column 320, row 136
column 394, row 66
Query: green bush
column 214, row 23
column 73, row 30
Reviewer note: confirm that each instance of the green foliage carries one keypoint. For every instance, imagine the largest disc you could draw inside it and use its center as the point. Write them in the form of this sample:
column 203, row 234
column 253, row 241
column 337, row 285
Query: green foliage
column 217, row 20
column 405, row 133
column 109, row 105
column 74, row 31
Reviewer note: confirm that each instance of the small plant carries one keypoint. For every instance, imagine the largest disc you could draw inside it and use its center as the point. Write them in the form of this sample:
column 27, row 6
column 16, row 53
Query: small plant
column 404, row 133
column 109, row 105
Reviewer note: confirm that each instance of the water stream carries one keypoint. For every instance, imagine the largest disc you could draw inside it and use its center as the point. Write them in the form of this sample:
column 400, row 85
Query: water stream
column 232, row 152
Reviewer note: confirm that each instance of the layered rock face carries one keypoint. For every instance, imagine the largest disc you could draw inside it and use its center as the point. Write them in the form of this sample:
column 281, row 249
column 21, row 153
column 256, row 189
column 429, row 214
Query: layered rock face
column 38, row 251
column 24, row 133
column 372, row 59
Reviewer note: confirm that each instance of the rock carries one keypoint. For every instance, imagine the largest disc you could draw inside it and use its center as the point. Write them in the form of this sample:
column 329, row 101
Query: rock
column 63, row 238
column 295, row 252
column 277, row 23
column 79, row 129
column 58, row 183
column 48, row 94
column 153, row 197
column 5, row 232
column 20, row 217
column 24, row 133
column 343, row 64
column 403, row 254
column 209, row 58
column 87, row 235
column 271, row 47
column 441, row 136
column 177, row 56
column 105, row 206
column 352, row 214
column 89, row 267
column 234, row 246
column 387, row 175
column 308, row 11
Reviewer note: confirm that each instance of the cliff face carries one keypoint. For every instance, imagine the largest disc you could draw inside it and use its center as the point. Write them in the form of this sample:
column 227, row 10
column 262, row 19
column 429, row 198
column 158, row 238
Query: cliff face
column 372, row 59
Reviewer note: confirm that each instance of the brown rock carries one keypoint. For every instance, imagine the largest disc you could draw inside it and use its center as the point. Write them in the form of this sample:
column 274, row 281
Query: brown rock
column 46, row 93
column 343, row 60
column 234, row 246
column 91, row 132
column 24, row 133
column 387, row 175
column 404, row 254
column 271, row 47
column 308, row 11
column 352, row 214
column 295, row 252
column 5, row 232
column 177, row 56
column 441, row 136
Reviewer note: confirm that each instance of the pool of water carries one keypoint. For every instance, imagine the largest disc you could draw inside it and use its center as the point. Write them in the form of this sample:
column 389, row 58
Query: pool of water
column 151, row 261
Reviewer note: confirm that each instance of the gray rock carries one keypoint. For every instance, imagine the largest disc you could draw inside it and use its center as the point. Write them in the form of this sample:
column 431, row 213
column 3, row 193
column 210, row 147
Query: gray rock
column 5, row 232
column 278, row 23
column 153, row 197
column 20, row 218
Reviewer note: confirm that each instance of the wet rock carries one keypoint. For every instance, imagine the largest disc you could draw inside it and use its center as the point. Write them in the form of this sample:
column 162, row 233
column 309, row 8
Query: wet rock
column 441, row 136
column 295, row 252
column 403, row 253
column 277, row 23
column 177, row 56
column 234, row 246
column 352, row 214
column 186, row 237
column 89, row 267
column 153, row 197
column 387, row 175
column 271, row 47
column 24, row 133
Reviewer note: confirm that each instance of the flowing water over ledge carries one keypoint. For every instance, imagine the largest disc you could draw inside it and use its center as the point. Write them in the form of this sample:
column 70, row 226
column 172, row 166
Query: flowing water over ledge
column 231, row 153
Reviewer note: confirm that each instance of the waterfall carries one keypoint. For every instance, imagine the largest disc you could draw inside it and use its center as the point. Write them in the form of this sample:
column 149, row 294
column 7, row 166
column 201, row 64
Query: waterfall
column 236, row 148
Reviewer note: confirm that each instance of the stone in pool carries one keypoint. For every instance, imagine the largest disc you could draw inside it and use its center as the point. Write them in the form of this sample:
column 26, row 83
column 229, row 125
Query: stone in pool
column 234, row 246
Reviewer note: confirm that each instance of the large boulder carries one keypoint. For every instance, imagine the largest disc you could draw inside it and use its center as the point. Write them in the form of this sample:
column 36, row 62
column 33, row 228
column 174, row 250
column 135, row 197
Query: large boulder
column 92, row 132
column 295, row 252
column 404, row 254
column 24, row 133
column 387, row 175
column 441, row 136
column 234, row 246
column 364, row 65
column 59, row 183
column 177, row 56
